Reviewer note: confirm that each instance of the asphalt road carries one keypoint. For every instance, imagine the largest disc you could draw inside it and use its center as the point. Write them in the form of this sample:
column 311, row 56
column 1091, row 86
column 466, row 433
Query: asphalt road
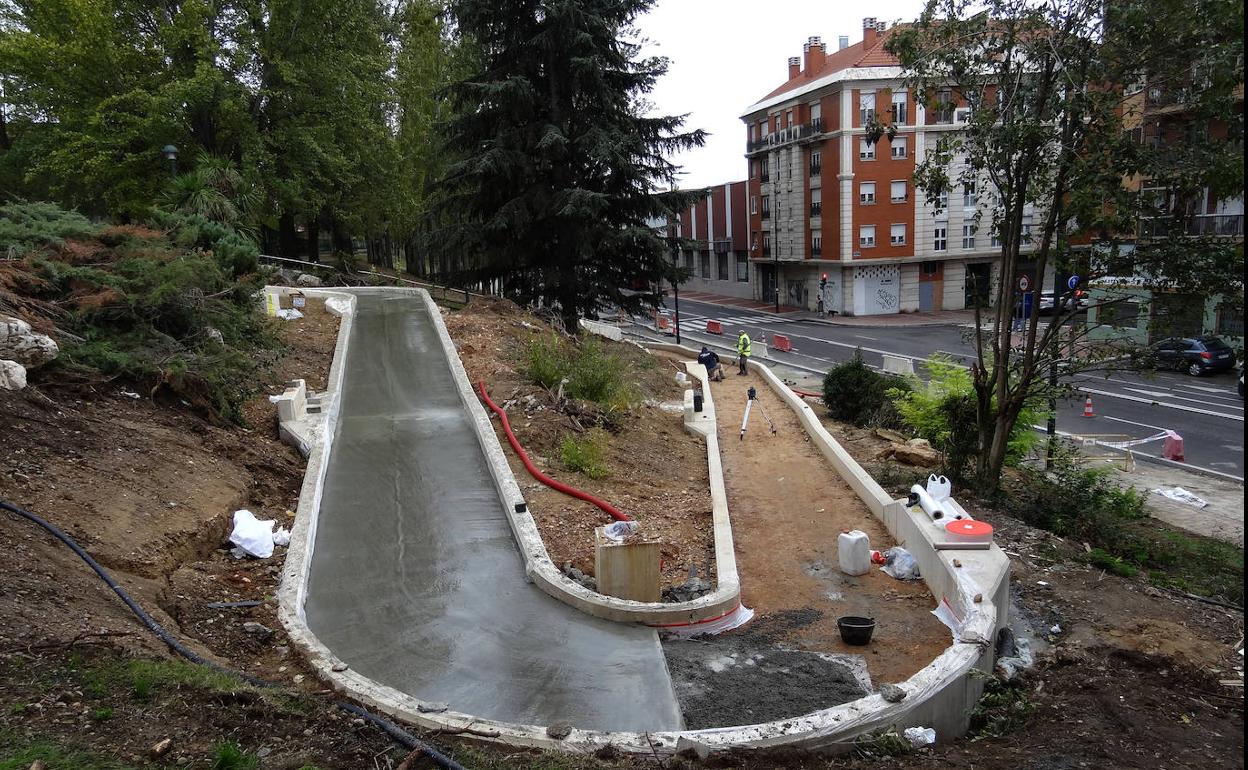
column 1206, row 411
column 415, row 579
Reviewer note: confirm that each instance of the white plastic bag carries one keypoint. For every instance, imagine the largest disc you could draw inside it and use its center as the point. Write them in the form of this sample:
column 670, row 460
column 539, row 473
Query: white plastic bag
column 618, row 530
column 853, row 550
column 920, row 736
column 901, row 564
column 252, row 535
column 281, row 536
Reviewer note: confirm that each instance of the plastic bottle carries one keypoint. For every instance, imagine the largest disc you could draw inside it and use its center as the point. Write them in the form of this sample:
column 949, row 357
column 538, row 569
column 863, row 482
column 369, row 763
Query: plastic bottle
column 854, row 552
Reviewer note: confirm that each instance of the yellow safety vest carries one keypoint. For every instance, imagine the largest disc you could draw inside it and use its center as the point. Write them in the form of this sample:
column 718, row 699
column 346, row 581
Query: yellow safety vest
column 743, row 344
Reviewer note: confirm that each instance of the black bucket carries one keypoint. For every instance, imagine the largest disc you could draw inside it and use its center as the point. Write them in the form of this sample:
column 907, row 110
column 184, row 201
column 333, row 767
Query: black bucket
column 697, row 400
column 855, row 630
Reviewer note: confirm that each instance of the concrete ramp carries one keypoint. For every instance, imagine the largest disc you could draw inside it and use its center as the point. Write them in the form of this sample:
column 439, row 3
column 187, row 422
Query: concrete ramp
column 415, row 580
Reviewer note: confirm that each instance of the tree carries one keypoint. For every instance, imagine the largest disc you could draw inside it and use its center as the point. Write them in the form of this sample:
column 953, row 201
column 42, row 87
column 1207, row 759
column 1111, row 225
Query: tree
column 558, row 193
column 1043, row 81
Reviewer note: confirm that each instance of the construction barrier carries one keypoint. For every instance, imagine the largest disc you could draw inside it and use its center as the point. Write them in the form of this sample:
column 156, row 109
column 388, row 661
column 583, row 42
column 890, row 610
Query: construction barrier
column 1173, row 448
column 662, row 323
column 899, row 365
column 781, row 343
column 714, row 327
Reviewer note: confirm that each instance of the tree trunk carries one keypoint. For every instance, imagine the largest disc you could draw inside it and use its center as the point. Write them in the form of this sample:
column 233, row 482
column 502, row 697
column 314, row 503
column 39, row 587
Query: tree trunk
column 338, row 235
column 312, row 246
column 287, row 238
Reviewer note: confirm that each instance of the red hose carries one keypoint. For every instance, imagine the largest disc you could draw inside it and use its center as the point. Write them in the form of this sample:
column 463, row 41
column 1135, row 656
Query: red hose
column 805, row 393
column 607, row 508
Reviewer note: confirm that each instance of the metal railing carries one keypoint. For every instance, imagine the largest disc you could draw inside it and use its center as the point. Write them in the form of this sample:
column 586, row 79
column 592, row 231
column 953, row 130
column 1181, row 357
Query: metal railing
column 786, row 136
column 436, row 290
column 1223, row 225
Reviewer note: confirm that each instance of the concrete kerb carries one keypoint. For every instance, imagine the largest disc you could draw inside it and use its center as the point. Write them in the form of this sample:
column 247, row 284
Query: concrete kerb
column 940, row 695
column 538, row 566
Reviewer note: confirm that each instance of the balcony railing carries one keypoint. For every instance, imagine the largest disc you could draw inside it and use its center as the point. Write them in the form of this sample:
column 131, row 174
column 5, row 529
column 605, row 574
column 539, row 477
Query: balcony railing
column 1224, row 225
column 816, row 251
column 766, row 214
column 815, row 169
column 785, row 136
column 764, row 177
column 816, row 209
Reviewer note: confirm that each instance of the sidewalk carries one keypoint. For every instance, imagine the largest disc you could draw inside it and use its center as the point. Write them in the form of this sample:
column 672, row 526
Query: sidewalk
column 739, row 302
column 1222, row 519
column 933, row 318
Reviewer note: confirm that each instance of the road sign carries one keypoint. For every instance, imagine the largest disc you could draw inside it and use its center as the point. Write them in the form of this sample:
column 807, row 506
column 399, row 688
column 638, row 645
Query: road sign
column 1073, row 282
column 1024, row 283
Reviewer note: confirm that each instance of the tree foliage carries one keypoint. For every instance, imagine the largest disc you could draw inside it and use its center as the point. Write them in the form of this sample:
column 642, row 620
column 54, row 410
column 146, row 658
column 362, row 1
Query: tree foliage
column 557, row 189
column 1044, row 83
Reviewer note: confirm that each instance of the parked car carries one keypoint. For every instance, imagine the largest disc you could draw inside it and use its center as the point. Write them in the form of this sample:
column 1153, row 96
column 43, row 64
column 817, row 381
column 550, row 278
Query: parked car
column 1240, row 386
column 1194, row 355
column 1072, row 302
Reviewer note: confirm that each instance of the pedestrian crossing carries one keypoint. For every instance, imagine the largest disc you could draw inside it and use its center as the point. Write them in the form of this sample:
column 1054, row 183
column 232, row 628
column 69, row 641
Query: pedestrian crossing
column 743, row 320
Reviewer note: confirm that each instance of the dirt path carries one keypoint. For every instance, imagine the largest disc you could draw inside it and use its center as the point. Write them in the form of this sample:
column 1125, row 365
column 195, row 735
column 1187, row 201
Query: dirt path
column 788, row 506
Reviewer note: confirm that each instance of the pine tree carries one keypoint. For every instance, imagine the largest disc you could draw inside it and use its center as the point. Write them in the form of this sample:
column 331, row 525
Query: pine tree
column 559, row 190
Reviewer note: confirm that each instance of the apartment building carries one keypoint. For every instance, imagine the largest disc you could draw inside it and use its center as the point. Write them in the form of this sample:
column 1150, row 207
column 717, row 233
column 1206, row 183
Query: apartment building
column 714, row 238
column 823, row 200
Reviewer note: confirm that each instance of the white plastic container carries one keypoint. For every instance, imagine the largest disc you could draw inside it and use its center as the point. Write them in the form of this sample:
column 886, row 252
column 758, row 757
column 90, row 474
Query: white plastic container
column 853, row 550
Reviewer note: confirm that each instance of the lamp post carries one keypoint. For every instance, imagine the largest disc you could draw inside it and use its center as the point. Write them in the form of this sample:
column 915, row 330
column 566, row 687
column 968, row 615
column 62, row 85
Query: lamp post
column 171, row 154
column 674, row 241
column 777, row 261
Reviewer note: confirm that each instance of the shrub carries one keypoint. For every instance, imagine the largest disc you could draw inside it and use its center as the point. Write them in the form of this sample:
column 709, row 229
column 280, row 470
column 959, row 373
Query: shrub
column 600, row 377
column 27, row 227
column 228, row 756
column 1004, row 707
column 547, row 361
column 585, row 455
column 856, row 394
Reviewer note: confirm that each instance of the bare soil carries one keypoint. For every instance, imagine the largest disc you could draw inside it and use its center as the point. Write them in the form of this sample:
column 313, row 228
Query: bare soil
column 657, row 472
column 788, row 507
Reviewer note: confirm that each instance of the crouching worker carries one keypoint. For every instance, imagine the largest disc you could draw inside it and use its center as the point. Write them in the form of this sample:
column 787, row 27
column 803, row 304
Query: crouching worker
column 709, row 359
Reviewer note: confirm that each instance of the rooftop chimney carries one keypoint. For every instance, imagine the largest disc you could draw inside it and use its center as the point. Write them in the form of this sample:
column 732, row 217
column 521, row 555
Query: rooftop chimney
column 868, row 32
column 842, row 42
column 795, row 66
column 816, row 54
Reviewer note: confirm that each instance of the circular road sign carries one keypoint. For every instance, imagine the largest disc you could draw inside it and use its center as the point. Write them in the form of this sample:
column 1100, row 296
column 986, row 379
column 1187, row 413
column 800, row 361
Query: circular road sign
column 1024, row 283
column 1073, row 282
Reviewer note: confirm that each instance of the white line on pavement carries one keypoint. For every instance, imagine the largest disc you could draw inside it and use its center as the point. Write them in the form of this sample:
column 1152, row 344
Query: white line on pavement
column 1129, row 422
column 1180, row 407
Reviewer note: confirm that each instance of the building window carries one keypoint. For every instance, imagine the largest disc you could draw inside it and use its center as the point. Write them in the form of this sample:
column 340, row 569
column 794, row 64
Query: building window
column 940, row 239
column 866, row 193
column 816, row 163
column 1230, row 321
column 766, row 207
column 764, row 170
column 897, row 235
column 969, row 197
column 766, row 244
column 899, row 108
column 897, row 191
column 866, row 150
column 968, row 236
column 788, row 118
column 944, row 106
column 816, row 245
column 705, row 264
column 689, row 262
column 1026, row 228
column 866, row 236
column 753, row 204
column 866, row 107
column 930, row 269
column 942, row 202
column 897, row 148
column 743, row 268
column 722, row 264
column 995, row 241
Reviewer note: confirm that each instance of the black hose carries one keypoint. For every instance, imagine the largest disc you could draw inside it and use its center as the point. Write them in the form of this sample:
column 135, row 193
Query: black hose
column 400, row 737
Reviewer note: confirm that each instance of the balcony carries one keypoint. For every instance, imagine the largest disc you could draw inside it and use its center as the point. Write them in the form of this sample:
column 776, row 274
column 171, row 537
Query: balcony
column 816, row 169
column 764, row 177
column 816, row 251
column 766, row 214
column 1219, row 225
column 785, row 136
column 816, row 209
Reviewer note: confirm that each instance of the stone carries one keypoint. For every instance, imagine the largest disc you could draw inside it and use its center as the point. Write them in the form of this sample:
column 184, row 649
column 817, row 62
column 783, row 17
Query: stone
column 559, row 730
column 431, row 707
column 160, row 748
column 12, row 375
column 258, row 629
column 890, row 435
column 691, row 749
column 338, row 667
column 913, row 454
column 307, row 279
column 892, row 693
column 20, row 343
column 214, row 335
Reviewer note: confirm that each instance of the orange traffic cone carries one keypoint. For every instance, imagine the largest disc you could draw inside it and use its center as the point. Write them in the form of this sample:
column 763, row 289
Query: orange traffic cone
column 1087, row 408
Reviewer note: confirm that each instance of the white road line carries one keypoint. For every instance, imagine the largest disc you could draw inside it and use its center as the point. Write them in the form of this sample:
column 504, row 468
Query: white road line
column 1180, row 407
column 1154, row 458
column 1129, row 422
column 1161, row 394
column 865, row 337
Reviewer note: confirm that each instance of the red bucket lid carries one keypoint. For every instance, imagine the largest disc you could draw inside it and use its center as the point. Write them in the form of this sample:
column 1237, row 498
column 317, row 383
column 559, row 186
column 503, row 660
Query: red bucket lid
column 969, row 528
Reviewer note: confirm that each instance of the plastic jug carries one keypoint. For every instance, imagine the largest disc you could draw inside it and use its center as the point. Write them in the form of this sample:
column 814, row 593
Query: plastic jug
column 854, row 552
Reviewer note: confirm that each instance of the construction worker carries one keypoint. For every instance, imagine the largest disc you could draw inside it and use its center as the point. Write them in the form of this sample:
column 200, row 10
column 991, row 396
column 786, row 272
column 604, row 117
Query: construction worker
column 743, row 350
column 709, row 359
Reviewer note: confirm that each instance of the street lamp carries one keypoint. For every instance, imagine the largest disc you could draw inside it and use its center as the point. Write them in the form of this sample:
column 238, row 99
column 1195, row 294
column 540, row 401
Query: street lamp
column 171, row 154
column 675, row 241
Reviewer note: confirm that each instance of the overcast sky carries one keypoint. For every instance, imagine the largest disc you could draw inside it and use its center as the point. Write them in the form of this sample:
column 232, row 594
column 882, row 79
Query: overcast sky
column 727, row 54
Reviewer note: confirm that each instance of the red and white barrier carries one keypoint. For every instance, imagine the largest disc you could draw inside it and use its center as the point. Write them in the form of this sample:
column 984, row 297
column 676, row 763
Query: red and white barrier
column 781, row 343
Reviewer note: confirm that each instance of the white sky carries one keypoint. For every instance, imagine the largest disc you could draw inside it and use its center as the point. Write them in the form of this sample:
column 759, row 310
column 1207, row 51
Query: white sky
column 727, row 54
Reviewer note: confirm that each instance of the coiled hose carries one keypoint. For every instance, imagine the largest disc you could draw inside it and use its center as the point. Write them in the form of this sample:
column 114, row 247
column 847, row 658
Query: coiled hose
column 558, row 486
column 389, row 728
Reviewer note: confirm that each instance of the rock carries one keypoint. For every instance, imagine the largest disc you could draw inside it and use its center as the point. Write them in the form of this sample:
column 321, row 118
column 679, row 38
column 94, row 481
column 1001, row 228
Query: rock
column 338, row 667
column 307, row 279
column 892, row 693
column 214, row 335
column 914, row 454
column 160, row 748
column 432, row 707
column 692, row 749
column 18, row 342
column 608, row 751
column 890, row 435
column 12, row 375
column 559, row 730
column 919, row 442
column 258, row 629
column 37, row 765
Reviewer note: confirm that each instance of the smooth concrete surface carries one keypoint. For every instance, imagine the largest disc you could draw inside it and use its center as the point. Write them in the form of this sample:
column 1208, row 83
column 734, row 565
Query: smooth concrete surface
column 415, row 581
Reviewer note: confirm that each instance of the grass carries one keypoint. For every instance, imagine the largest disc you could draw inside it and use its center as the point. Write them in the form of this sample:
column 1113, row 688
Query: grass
column 888, row 743
column 229, row 756
column 585, row 454
column 19, row 752
column 146, row 681
column 1004, row 708
column 591, row 372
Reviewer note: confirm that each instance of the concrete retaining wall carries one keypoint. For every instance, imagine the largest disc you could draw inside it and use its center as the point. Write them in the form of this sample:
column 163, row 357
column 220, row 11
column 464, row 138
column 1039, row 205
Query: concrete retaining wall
column 940, row 695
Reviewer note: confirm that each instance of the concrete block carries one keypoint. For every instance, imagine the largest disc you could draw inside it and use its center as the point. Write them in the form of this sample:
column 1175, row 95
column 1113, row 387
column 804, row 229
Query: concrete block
column 628, row 569
column 898, row 365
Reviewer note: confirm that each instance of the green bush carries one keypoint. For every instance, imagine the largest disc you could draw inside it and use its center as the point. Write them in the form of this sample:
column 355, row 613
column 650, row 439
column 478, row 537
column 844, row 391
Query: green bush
column 228, row 756
column 592, row 373
column 585, row 455
column 547, row 362
column 28, row 227
column 856, row 394
column 1004, row 708
column 237, row 254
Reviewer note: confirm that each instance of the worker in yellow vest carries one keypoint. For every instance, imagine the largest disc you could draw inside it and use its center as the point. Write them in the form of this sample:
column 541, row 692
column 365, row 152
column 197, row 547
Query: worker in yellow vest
column 743, row 351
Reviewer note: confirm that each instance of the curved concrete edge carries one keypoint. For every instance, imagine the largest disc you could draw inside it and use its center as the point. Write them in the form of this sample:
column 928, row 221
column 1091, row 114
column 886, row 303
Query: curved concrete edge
column 941, row 695
column 539, row 567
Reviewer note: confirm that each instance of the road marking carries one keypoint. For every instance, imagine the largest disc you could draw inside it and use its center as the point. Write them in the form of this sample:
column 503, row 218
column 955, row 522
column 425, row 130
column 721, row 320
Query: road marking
column 1180, row 407
column 1155, row 458
column 865, row 337
column 1160, row 394
column 1130, row 422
